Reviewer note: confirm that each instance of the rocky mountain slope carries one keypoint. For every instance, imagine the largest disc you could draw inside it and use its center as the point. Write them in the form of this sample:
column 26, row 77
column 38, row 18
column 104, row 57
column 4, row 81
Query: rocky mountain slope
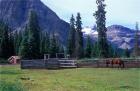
column 16, row 12
column 120, row 36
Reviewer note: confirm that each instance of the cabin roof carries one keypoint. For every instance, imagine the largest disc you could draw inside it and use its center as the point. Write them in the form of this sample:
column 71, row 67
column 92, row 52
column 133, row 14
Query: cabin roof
column 15, row 57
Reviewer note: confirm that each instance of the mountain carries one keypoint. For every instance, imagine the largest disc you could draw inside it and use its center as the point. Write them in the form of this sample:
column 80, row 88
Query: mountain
column 16, row 14
column 118, row 35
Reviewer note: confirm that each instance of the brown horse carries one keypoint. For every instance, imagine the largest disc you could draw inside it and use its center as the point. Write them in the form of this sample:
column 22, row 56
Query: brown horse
column 114, row 61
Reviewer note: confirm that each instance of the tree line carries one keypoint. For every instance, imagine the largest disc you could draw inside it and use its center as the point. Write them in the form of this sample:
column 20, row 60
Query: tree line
column 32, row 43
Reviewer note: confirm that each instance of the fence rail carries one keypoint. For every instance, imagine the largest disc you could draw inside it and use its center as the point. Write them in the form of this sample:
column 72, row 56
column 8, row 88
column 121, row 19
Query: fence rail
column 104, row 59
column 102, row 64
column 64, row 63
column 52, row 63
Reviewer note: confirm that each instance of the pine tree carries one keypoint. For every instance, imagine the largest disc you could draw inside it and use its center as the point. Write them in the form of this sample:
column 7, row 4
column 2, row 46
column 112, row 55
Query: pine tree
column 79, row 37
column 5, row 49
column 95, row 50
column 34, row 36
column 47, row 43
column 24, row 46
column 42, row 43
column 11, row 45
column 1, row 32
column 61, row 49
column 127, row 53
column 6, row 41
column 17, row 41
column 101, row 28
column 88, row 49
column 53, row 46
column 112, row 51
column 136, row 51
column 71, row 38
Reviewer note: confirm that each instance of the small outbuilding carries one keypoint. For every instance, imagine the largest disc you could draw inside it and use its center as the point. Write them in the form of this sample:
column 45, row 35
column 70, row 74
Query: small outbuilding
column 14, row 60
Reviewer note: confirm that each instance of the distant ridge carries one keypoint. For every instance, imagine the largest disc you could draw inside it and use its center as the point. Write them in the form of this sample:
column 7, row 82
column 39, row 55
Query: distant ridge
column 16, row 12
column 118, row 35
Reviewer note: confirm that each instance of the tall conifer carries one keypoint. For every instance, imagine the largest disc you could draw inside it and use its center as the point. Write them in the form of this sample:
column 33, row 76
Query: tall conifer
column 136, row 51
column 88, row 49
column 24, row 46
column 53, row 46
column 101, row 28
column 71, row 38
column 34, row 36
column 79, row 37
column 5, row 44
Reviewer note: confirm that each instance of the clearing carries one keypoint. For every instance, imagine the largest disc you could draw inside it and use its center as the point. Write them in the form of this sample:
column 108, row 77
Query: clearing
column 80, row 79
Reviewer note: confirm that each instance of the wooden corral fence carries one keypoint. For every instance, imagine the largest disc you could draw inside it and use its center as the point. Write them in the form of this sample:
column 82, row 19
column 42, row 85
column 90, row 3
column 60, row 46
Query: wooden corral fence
column 32, row 64
column 51, row 63
column 55, row 63
column 101, row 63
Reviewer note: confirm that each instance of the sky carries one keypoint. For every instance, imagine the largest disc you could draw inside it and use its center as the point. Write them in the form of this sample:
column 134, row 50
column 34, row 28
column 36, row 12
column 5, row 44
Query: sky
column 120, row 12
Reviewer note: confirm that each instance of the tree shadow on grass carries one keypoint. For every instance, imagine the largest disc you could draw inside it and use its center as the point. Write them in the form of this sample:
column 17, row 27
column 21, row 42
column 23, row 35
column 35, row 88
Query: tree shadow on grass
column 122, row 88
column 126, row 87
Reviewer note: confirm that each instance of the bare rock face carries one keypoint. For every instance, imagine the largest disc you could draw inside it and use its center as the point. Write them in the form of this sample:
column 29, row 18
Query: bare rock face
column 120, row 36
column 16, row 13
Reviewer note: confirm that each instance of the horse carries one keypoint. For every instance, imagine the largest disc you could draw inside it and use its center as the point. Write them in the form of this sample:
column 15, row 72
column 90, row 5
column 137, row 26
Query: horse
column 114, row 61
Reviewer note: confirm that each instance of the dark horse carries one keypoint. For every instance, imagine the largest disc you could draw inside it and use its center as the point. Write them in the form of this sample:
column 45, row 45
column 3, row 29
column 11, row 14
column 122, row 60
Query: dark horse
column 114, row 61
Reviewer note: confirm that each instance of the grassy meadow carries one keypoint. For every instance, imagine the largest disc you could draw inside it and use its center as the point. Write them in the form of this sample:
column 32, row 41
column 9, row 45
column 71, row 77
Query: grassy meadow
column 12, row 78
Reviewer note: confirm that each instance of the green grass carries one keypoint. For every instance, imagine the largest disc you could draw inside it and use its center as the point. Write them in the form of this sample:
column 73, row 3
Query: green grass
column 11, row 86
column 81, row 79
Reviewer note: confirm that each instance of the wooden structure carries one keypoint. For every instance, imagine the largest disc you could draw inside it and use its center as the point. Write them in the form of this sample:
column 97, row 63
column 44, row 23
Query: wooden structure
column 49, row 63
column 60, row 63
column 14, row 60
column 33, row 64
column 101, row 63
column 52, row 63
column 57, row 63
column 67, row 63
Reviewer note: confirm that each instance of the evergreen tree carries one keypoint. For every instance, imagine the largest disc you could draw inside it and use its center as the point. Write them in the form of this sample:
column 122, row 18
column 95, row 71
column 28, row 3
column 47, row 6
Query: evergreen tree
column 5, row 49
column 136, row 51
column 79, row 37
column 71, row 38
column 24, row 47
column 11, row 45
column 17, row 41
column 47, row 43
column 42, row 43
column 95, row 50
column 127, row 53
column 53, row 46
column 88, row 49
column 1, row 31
column 112, row 51
column 61, row 49
column 101, row 28
column 34, row 36
column 58, row 45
